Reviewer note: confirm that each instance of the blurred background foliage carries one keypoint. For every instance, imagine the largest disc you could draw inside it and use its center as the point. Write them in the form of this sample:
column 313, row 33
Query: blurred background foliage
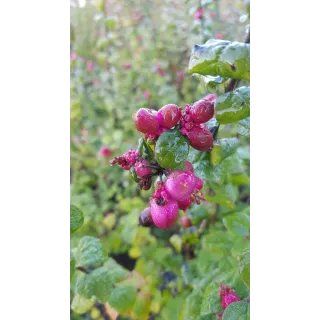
column 124, row 55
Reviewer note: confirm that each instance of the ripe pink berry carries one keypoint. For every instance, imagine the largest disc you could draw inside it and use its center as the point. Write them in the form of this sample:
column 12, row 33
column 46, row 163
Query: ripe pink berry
column 227, row 296
column 180, row 76
column 180, row 184
column 186, row 222
column 105, row 152
column 202, row 111
column 169, row 115
column 199, row 183
column 185, row 204
column 146, row 121
column 90, row 66
column 188, row 166
column 200, row 138
column 127, row 66
column 140, row 170
column 147, row 95
column 164, row 216
column 73, row 56
column 219, row 35
column 210, row 97
column 198, row 14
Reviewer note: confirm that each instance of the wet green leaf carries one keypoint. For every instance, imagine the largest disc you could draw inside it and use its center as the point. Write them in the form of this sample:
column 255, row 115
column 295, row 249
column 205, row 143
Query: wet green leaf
column 244, row 265
column 211, row 302
column 233, row 106
column 221, row 58
column 81, row 304
column 210, row 82
column 171, row 149
column 223, row 148
column 236, row 311
column 141, row 306
column 123, row 297
column 89, row 253
column 102, row 283
column 238, row 223
column 76, row 218
column 144, row 150
column 72, row 265
column 133, row 174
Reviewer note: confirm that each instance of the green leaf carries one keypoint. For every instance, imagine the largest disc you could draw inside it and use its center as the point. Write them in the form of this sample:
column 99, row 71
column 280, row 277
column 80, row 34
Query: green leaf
column 244, row 266
column 72, row 265
column 223, row 148
column 141, row 306
column 144, row 150
column 244, row 128
column 89, row 253
column 233, row 106
column 116, row 271
column 236, row 311
column 76, row 218
column 102, row 283
column 81, row 304
column 193, row 305
column 171, row 149
column 211, row 302
column 221, row 58
column 123, row 297
column 238, row 224
column 224, row 195
column 210, row 82
column 213, row 126
column 84, row 286
column 200, row 212
column 133, row 174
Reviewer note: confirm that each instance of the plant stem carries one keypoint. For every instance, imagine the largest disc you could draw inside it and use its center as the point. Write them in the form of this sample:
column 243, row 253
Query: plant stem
column 84, row 270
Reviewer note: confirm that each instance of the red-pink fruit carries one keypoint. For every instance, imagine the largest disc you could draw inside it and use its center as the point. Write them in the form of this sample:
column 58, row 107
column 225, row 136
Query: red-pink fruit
column 185, row 204
column 169, row 115
column 140, row 169
column 219, row 35
column 200, row 138
column 210, row 97
column 180, row 184
column 227, row 296
column 202, row 111
column 164, row 216
column 186, row 222
column 147, row 95
column 199, row 183
column 105, row 152
column 146, row 121
column 199, row 14
column 188, row 166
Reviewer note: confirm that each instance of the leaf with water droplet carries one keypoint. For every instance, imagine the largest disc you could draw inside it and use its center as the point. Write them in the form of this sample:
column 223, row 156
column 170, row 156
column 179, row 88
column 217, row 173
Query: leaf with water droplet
column 171, row 149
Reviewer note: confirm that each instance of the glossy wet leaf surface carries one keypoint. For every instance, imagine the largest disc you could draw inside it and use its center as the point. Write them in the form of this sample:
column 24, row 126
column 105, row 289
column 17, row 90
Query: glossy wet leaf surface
column 145, row 150
column 76, row 218
column 238, row 224
column 221, row 58
column 236, row 311
column 233, row 106
column 223, row 148
column 244, row 265
column 171, row 149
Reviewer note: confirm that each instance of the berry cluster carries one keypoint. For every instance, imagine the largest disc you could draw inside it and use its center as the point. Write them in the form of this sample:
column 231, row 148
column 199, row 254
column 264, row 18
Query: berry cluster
column 190, row 121
column 176, row 189
column 227, row 296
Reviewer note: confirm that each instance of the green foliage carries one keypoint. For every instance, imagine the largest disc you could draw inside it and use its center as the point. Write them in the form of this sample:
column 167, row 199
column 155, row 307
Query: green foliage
column 76, row 218
column 237, row 311
column 171, row 149
column 233, row 106
column 140, row 272
column 221, row 58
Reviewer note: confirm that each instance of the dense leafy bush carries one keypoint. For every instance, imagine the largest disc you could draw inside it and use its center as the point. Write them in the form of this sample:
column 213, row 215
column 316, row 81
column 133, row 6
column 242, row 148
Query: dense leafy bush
column 198, row 268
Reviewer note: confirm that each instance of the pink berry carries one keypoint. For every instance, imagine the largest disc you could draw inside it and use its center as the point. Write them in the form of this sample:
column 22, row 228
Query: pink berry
column 180, row 184
column 185, row 204
column 180, row 76
column 147, row 95
column 169, row 115
column 140, row 170
column 202, row 111
column 164, row 216
column 73, row 56
column 146, row 121
column 127, row 66
column 90, row 66
column 188, row 166
column 199, row 183
column 200, row 138
column 198, row 14
column 210, row 97
column 186, row 222
column 227, row 296
column 105, row 152
column 219, row 35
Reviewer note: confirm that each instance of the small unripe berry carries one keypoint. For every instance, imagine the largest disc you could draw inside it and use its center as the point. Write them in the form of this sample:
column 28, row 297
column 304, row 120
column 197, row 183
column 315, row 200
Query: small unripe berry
column 185, row 204
column 200, row 138
column 145, row 218
column 180, row 184
column 202, row 111
column 164, row 216
column 186, row 222
column 140, row 169
column 169, row 115
column 145, row 120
